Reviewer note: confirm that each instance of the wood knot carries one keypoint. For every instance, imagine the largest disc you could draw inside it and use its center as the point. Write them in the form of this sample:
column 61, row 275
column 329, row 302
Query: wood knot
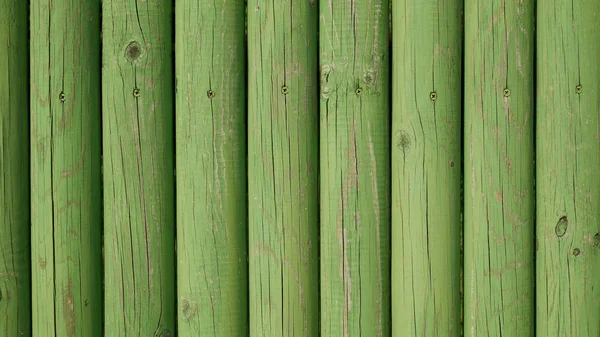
column 188, row 308
column 561, row 226
column 133, row 51
column 403, row 140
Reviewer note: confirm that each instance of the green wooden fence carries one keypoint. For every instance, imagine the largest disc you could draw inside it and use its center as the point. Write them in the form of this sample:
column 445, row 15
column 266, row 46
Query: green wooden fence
column 421, row 168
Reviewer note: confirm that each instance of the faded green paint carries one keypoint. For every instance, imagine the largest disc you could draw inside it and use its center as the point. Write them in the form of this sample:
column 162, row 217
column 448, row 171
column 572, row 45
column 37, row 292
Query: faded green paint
column 283, row 168
column 426, row 167
column 212, row 272
column 15, row 307
column 567, row 162
column 355, row 171
column 66, row 196
column 139, row 219
column 499, row 168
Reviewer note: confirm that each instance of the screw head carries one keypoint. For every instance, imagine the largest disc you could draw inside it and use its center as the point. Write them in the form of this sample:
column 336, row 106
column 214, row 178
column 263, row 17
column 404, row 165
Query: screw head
column 433, row 96
column 210, row 94
column 506, row 92
column 579, row 89
column 358, row 91
column 284, row 90
column 136, row 92
column 62, row 96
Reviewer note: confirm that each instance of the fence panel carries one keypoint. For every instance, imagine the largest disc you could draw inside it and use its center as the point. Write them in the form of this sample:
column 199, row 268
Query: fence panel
column 426, row 167
column 567, row 162
column 354, row 168
column 15, row 275
column 137, row 116
column 283, row 164
column 212, row 272
column 499, row 195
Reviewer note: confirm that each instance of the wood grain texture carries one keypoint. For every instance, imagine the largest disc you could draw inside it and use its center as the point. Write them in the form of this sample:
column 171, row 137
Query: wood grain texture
column 426, row 167
column 15, row 277
column 354, row 168
column 212, row 267
column 499, row 168
column 139, row 221
column 66, row 195
column 567, row 162
column 283, row 168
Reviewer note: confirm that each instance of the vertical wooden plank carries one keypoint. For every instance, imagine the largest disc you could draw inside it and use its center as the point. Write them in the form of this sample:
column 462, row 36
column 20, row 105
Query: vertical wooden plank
column 355, row 171
column 499, row 172
column 567, row 157
column 15, row 306
column 426, row 167
column 66, row 196
column 283, row 168
column 212, row 272
column 137, row 116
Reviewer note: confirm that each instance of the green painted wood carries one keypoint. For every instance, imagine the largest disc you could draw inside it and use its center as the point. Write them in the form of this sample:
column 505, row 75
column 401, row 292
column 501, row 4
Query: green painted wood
column 499, row 168
column 283, row 168
column 567, row 161
column 66, row 195
column 355, row 168
column 212, row 267
column 138, row 151
column 15, row 299
column 426, row 167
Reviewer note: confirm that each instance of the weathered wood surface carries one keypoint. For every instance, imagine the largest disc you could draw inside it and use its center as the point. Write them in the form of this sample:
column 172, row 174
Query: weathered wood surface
column 212, row 272
column 567, row 162
column 15, row 298
column 138, row 116
column 499, row 205
column 354, row 162
column 283, row 168
column 66, row 195
column 426, row 167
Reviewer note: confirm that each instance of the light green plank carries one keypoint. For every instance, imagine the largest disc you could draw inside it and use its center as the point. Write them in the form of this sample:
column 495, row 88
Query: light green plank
column 15, row 299
column 137, row 116
column 426, row 167
column 499, row 168
column 212, row 272
column 355, row 168
column 568, row 162
column 283, row 168
column 66, row 203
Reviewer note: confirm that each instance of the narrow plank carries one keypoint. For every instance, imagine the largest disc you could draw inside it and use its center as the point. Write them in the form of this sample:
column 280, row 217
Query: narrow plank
column 15, row 277
column 426, row 167
column 567, row 158
column 66, row 195
column 283, row 168
column 355, row 168
column 212, row 272
column 499, row 195
column 137, row 117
